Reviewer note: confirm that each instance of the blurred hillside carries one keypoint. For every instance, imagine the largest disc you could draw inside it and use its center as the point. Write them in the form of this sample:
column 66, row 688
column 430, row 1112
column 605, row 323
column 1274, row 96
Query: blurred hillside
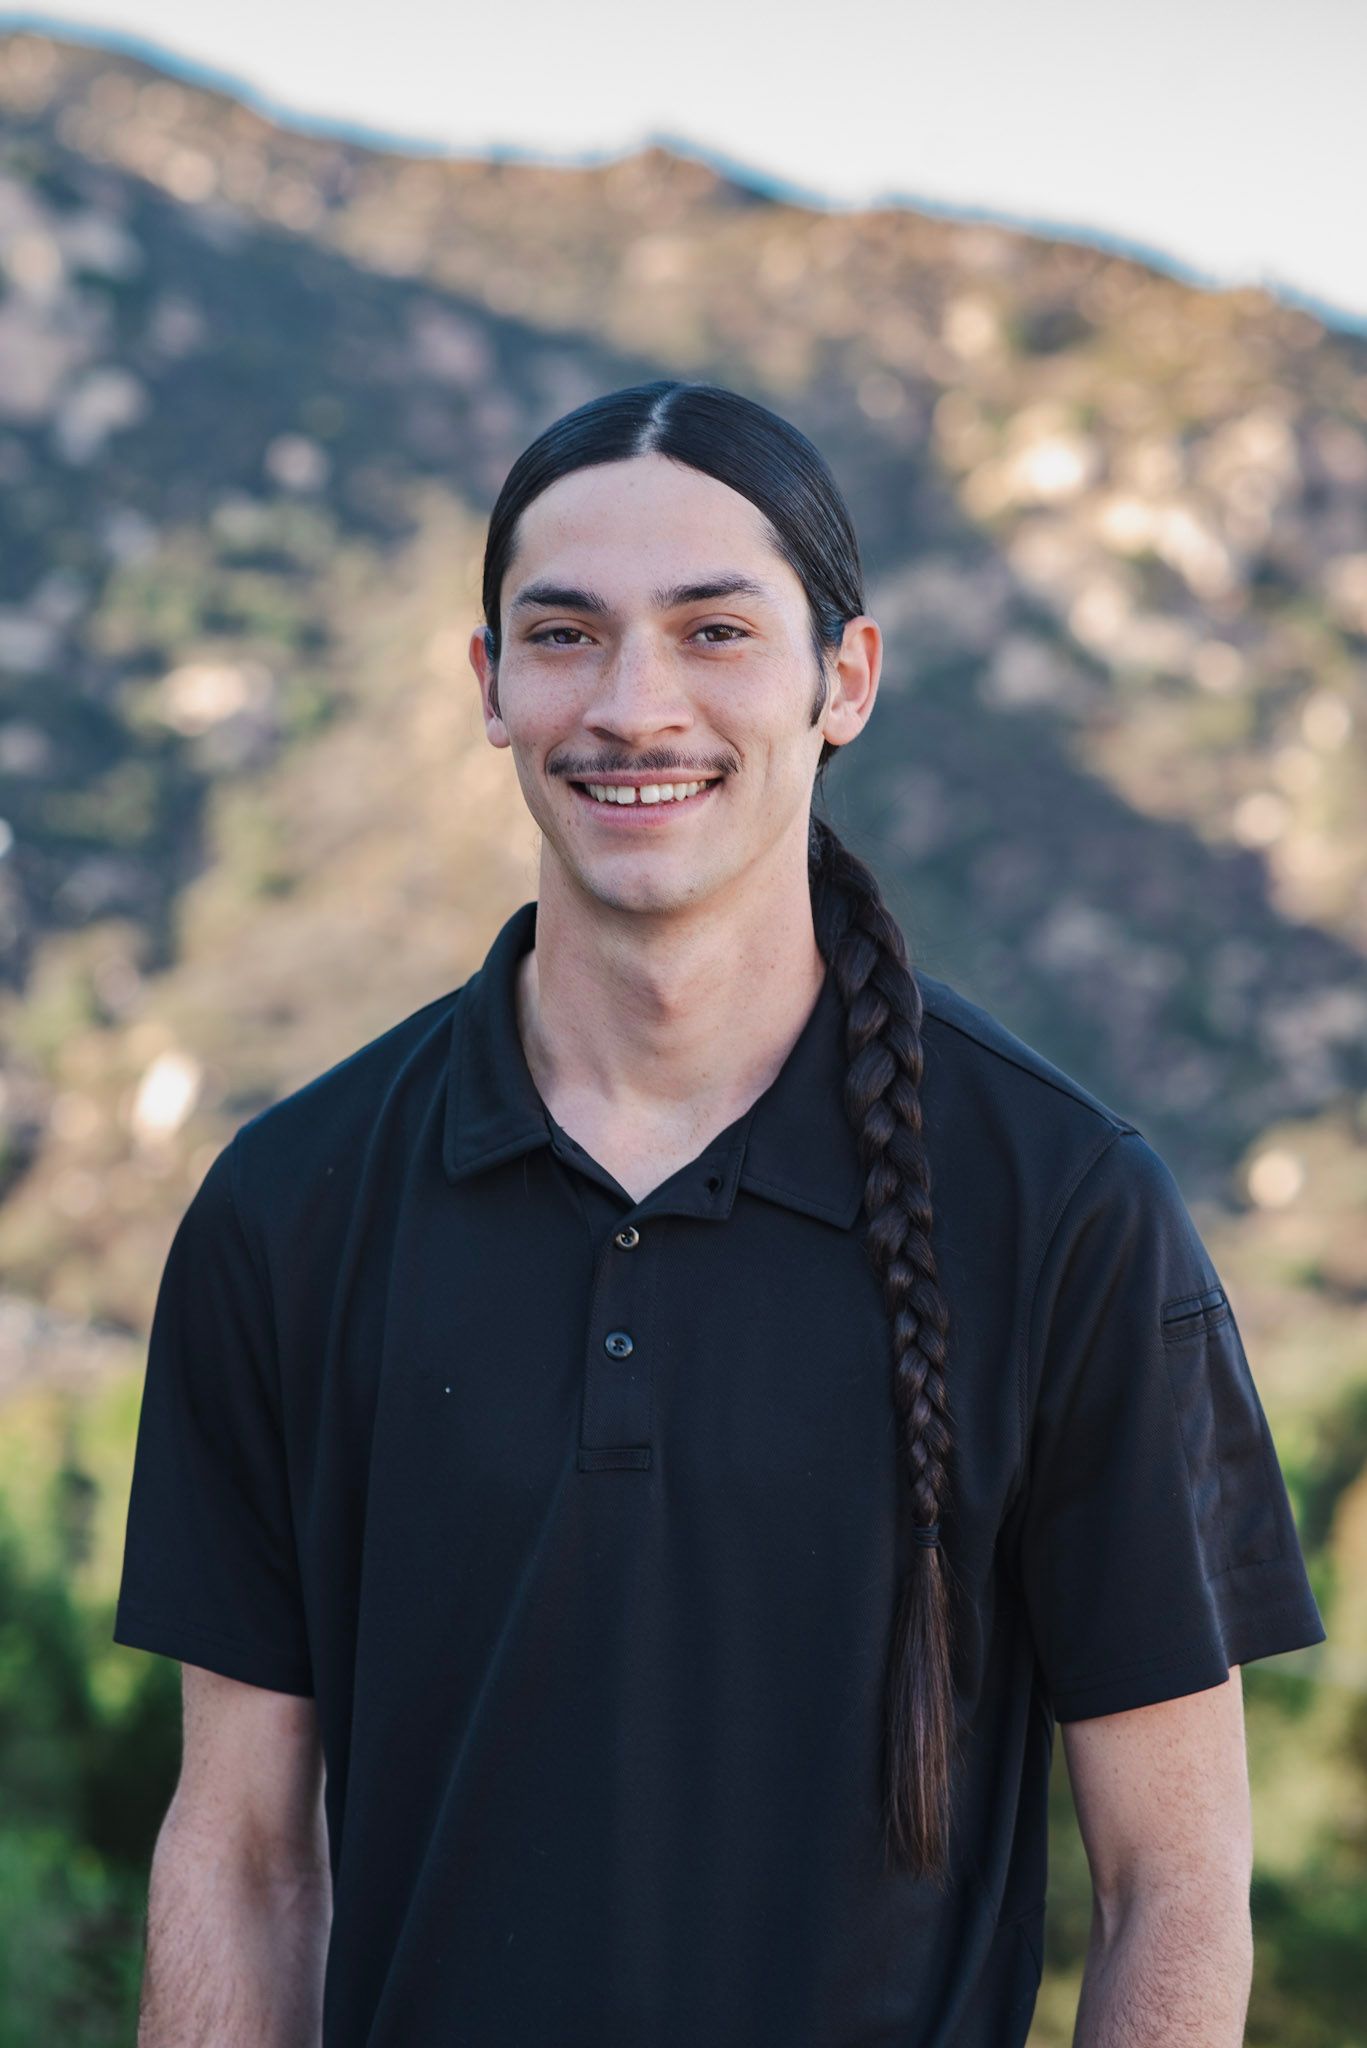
column 257, row 391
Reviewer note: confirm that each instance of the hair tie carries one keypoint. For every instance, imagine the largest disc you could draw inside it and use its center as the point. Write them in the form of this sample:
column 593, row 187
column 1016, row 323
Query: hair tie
column 928, row 1536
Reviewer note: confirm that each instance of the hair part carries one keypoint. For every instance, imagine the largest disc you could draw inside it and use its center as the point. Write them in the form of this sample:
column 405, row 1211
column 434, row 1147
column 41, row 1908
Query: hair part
column 769, row 461
column 726, row 436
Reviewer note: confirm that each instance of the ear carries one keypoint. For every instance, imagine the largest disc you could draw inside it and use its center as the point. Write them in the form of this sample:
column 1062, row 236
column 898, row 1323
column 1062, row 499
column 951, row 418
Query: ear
column 482, row 662
column 854, row 681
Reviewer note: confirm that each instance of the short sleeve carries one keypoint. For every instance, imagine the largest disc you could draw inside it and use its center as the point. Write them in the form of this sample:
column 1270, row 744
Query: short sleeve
column 1157, row 1543
column 210, row 1570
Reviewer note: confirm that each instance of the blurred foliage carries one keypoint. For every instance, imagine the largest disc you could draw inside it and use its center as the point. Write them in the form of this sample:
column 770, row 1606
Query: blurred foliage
column 86, row 1782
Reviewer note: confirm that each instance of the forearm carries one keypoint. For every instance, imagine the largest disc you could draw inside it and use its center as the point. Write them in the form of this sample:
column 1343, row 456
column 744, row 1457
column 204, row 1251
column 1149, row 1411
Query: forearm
column 235, row 1957
column 1168, row 1968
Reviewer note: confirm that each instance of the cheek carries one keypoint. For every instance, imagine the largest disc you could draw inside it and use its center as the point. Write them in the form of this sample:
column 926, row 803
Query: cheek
column 538, row 710
column 754, row 704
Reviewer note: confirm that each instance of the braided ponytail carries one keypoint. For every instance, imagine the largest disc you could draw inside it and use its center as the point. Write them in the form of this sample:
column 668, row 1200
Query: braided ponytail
column 867, row 956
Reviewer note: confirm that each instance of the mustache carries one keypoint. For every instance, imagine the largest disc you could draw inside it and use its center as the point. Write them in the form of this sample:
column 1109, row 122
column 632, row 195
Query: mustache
column 652, row 765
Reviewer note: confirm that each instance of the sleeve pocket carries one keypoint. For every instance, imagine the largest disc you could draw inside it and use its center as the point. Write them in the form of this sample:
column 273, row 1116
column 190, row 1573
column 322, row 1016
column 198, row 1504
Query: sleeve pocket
column 1229, row 1452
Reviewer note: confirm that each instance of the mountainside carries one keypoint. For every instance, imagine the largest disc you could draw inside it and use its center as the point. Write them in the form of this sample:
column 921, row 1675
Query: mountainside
column 257, row 390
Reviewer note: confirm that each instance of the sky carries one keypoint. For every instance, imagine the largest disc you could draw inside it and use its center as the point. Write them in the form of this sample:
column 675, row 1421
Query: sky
column 1222, row 139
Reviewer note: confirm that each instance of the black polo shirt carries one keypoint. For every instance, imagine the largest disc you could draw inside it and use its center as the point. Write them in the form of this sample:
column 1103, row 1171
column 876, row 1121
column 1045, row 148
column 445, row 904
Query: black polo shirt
column 582, row 1520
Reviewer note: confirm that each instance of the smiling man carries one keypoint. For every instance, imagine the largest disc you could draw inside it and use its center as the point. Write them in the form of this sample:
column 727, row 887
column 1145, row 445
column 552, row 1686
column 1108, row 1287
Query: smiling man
column 668, row 759
column 673, row 1424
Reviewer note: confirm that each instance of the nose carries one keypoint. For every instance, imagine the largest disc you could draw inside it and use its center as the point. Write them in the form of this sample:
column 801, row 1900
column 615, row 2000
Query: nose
column 638, row 691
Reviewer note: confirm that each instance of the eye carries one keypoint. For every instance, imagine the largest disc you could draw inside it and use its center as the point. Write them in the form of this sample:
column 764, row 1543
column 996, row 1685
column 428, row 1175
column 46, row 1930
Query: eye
column 549, row 636
column 721, row 627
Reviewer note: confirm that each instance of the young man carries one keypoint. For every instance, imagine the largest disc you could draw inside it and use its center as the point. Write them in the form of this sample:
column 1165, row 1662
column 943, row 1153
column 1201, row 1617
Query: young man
column 672, row 1424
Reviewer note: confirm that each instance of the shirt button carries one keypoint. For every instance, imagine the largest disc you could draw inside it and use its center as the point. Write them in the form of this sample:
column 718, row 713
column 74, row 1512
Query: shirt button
column 618, row 1343
column 626, row 1239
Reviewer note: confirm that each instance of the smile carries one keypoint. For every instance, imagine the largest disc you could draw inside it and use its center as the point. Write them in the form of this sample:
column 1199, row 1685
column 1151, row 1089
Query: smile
column 645, row 803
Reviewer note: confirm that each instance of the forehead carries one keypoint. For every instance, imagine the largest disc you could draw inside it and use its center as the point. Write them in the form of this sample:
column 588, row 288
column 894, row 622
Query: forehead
column 625, row 522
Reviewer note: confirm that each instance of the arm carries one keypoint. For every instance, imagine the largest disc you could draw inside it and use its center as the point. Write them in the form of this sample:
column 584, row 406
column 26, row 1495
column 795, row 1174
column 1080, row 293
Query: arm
column 1162, row 1801
column 240, row 1899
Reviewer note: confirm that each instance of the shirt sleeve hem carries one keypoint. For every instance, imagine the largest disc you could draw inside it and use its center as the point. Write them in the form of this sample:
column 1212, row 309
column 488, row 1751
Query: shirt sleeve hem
column 190, row 1643
column 1244, row 1643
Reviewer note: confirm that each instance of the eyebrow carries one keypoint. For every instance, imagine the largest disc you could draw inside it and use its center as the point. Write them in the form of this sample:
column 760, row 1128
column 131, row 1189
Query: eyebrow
column 566, row 597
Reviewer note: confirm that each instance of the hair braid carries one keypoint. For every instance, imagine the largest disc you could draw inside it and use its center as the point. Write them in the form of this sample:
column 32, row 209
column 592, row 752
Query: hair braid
column 867, row 955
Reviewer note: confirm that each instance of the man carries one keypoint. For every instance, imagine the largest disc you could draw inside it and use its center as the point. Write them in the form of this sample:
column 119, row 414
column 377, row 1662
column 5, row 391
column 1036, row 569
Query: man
column 672, row 1424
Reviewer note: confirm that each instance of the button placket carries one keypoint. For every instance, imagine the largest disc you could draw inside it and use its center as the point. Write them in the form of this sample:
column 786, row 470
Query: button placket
column 618, row 1373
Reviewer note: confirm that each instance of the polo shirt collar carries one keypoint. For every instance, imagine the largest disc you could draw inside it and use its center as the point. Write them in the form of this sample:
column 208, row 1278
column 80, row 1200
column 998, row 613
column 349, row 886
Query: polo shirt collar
column 794, row 1145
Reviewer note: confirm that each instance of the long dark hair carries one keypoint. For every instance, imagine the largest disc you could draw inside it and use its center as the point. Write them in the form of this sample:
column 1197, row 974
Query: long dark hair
column 766, row 459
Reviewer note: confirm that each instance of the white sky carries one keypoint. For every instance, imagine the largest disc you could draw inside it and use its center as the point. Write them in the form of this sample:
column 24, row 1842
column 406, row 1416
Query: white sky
column 1226, row 137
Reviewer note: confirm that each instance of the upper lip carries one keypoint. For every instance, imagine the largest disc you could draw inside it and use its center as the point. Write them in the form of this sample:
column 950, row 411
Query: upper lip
column 670, row 775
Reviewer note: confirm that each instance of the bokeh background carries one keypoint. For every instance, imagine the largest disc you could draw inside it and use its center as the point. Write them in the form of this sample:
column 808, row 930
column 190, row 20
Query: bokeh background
column 260, row 379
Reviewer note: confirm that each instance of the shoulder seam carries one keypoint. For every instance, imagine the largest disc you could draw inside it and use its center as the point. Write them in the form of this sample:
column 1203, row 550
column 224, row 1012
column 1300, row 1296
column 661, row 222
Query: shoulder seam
column 1112, row 1121
column 235, row 1201
column 254, row 1260
column 1062, row 1205
column 422, row 1016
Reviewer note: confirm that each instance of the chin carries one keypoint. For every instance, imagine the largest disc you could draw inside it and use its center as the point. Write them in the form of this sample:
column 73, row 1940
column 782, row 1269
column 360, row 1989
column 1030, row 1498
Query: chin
column 641, row 894
column 654, row 899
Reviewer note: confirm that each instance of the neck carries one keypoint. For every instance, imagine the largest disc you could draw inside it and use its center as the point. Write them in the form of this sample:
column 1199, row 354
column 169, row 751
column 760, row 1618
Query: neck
column 665, row 1021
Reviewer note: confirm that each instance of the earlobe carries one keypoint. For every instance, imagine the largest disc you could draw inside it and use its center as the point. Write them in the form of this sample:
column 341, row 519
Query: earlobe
column 837, row 730
column 482, row 660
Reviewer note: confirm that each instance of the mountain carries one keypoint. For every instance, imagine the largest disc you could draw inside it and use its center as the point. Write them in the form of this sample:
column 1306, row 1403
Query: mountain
column 257, row 391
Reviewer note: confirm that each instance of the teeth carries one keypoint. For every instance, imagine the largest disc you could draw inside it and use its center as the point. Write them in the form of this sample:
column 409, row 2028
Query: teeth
column 649, row 793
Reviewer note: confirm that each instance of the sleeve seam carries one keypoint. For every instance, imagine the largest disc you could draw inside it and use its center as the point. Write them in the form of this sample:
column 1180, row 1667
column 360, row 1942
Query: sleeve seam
column 276, row 1390
column 261, row 1274
column 239, row 1217
column 1256, row 1564
column 1027, row 1359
